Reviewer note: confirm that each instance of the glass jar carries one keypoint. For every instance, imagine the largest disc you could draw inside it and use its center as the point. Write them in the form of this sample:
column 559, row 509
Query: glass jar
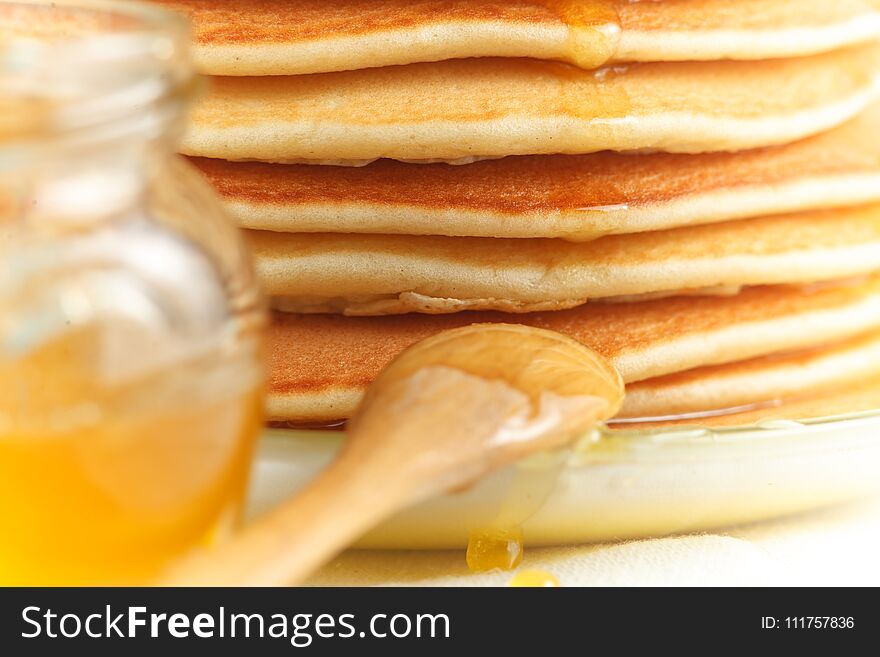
column 130, row 321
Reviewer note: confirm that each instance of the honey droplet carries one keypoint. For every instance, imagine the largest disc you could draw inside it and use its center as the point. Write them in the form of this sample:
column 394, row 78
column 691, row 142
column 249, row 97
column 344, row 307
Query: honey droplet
column 494, row 548
column 534, row 579
column 593, row 30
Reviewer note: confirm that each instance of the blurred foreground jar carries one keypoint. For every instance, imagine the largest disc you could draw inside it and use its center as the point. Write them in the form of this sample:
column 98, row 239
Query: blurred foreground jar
column 130, row 324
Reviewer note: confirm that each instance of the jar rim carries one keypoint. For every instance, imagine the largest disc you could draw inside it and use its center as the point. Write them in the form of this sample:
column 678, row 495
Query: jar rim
column 147, row 15
column 68, row 66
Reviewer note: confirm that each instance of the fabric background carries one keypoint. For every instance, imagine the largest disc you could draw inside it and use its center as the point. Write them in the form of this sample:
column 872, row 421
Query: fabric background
column 833, row 547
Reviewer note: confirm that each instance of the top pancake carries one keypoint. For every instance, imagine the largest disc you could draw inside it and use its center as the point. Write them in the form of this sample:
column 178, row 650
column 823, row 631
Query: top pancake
column 575, row 197
column 461, row 109
column 287, row 37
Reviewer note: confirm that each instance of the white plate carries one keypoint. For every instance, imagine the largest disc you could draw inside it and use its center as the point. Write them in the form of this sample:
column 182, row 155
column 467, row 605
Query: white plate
column 619, row 484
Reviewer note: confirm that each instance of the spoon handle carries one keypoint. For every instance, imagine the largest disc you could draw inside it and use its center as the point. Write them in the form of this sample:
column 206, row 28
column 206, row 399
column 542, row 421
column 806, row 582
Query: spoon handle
column 286, row 544
column 418, row 442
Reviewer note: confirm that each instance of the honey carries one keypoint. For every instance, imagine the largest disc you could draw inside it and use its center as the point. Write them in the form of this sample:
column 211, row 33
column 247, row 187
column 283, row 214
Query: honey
column 593, row 27
column 534, row 579
column 104, row 482
column 500, row 544
column 495, row 549
column 594, row 36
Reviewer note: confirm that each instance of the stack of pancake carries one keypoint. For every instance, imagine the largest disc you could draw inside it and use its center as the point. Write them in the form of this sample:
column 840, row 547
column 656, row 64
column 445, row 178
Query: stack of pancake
column 690, row 187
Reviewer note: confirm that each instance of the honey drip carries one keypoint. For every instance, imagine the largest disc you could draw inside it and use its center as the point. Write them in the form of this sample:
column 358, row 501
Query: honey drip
column 593, row 30
column 534, row 579
column 500, row 544
column 589, row 87
column 492, row 549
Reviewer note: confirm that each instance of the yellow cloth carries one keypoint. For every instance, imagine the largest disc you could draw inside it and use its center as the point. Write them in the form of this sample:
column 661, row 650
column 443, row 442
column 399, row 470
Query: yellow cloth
column 837, row 547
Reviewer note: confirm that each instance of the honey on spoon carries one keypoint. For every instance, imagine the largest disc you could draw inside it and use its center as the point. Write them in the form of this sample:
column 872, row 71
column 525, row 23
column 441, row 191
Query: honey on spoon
column 444, row 413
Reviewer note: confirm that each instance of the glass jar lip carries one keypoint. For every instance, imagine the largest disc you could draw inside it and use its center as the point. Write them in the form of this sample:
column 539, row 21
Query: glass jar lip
column 70, row 65
column 150, row 13
column 146, row 19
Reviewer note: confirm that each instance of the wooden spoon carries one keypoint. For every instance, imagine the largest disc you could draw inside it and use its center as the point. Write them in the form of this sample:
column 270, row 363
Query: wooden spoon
column 447, row 411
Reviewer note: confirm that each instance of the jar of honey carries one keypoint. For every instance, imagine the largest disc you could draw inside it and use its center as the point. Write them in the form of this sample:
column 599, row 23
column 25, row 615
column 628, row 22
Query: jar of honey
column 130, row 322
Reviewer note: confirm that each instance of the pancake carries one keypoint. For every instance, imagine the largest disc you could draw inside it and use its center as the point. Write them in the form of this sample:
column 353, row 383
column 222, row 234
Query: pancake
column 854, row 397
column 388, row 274
column 576, row 197
column 272, row 37
column 461, row 109
column 775, row 377
column 320, row 365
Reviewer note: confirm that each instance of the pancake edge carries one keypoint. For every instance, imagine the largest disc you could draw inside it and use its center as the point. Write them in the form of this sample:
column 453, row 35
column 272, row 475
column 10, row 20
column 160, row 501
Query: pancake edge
column 738, row 342
column 731, row 203
column 512, row 39
column 673, row 132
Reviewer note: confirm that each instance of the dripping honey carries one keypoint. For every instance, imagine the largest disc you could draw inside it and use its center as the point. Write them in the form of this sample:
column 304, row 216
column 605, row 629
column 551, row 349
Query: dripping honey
column 534, row 579
column 105, row 484
column 593, row 30
column 492, row 549
column 500, row 544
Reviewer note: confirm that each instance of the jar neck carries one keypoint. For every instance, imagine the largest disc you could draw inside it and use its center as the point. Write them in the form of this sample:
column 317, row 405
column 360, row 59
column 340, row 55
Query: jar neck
column 79, row 187
column 89, row 89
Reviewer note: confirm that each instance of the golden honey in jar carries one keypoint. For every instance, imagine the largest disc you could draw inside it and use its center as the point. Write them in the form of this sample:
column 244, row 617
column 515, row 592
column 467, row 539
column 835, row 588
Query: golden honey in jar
column 130, row 323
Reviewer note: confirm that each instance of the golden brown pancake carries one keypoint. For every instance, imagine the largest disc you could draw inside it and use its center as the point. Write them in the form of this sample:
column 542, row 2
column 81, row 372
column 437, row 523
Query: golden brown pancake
column 789, row 375
column 320, row 365
column 576, row 197
column 857, row 396
column 388, row 274
column 460, row 109
column 288, row 37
